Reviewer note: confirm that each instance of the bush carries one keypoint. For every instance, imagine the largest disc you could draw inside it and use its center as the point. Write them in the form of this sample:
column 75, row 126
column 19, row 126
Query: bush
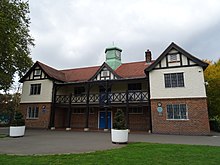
column 215, row 123
column 18, row 120
column 119, row 120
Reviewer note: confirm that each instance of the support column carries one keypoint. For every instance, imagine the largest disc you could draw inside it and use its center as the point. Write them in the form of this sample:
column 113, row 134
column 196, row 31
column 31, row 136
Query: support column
column 69, row 116
column 127, row 110
column 106, row 102
column 53, row 107
column 87, row 108
column 106, row 118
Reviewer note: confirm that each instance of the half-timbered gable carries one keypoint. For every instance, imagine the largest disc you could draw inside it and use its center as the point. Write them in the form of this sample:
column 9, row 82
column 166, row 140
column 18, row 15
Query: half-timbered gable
column 105, row 72
column 174, row 57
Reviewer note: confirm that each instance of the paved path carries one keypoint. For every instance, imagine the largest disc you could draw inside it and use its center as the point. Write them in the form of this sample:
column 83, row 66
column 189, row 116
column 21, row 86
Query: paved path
column 58, row 142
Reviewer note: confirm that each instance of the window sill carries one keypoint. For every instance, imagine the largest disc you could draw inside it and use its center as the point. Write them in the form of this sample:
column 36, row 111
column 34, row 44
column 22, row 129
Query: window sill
column 178, row 119
column 174, row 61
column 173, row 87
column 32, row 118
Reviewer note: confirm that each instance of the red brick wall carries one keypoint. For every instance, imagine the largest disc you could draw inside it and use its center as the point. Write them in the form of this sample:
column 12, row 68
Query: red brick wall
column 140, row 122
column 60, row 120
column 43, row 118
column 197, row 123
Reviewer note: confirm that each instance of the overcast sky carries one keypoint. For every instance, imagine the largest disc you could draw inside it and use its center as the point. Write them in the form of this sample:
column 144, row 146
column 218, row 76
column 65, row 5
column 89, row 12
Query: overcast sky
column 75, row 33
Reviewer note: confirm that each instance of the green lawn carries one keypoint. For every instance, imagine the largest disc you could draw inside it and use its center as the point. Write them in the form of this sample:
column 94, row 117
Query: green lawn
column 3, row 135
column 132, row 154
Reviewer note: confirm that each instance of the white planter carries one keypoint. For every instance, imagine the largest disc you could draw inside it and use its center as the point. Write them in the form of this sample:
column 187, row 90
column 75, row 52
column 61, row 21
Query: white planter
column 16, row 131
column 119, row 136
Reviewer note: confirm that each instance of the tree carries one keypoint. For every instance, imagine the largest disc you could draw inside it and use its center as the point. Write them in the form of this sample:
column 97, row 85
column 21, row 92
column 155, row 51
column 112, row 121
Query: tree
column 9, row 104
column 212, row 76
column 119, row 120
column 15, row 41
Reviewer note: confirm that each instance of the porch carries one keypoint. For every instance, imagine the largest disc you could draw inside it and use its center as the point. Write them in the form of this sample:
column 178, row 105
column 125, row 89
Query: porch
column 96, row 111
column 74, row 102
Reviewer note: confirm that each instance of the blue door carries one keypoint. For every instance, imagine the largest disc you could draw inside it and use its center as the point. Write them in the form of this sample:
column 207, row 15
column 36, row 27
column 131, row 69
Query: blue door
column 102, row 120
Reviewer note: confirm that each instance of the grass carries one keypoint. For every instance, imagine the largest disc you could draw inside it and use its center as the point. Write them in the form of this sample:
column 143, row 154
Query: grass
column 3, row 135
column 134, row 153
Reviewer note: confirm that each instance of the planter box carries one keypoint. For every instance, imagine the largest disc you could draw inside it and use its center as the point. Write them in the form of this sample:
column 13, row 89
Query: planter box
column 119, row 136
column 16, row 131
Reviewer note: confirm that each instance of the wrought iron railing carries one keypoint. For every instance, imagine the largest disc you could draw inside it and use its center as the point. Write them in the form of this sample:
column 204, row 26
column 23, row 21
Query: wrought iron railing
column 104, row 98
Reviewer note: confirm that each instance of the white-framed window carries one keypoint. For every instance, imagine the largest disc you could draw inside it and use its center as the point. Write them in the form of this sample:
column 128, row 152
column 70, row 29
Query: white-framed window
column 177, row 112
column 35, row 89
column 173, row 80
column 105, row 73
column 32, row 112
column 172, row 57
column 37, row 72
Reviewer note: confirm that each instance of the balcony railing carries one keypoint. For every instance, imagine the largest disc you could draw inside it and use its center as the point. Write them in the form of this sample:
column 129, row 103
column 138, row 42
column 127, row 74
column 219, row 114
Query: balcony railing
column 104, row 98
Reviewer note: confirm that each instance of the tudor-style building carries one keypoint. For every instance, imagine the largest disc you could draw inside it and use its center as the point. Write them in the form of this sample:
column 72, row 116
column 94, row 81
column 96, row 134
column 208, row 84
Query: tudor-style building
column 163, row 96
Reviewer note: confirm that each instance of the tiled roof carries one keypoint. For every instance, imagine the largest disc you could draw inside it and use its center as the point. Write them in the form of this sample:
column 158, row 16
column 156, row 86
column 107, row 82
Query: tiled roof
column 132, row 70
column 80, row 74
column 51, row 72
column 126, row 70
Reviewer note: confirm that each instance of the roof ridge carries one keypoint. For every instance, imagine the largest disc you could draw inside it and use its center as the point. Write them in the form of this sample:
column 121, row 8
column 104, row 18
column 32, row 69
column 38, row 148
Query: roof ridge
column 133, row 62
column 46, row 65
column 79, row 68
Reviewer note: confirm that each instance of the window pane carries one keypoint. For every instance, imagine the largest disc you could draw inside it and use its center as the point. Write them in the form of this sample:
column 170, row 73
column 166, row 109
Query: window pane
column 183, row 111
column 39, row 89
column 169, row 111
column 167, row 80
column 173, row 80
column 180, row 79
column 36, row 112
column 176, row 112
column 29, row 112
column 173, row 57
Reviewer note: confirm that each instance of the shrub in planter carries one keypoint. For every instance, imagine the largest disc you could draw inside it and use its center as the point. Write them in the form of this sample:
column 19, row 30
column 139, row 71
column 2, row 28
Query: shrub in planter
column 17, row 127
column 119, row 132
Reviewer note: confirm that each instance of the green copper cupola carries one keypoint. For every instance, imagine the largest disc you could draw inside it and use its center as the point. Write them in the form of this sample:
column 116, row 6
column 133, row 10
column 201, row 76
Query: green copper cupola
column 113, row 57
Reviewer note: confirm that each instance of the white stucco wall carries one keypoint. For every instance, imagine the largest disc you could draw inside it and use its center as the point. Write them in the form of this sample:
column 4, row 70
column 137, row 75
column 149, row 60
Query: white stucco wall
column 193, row 80
column 45, row 94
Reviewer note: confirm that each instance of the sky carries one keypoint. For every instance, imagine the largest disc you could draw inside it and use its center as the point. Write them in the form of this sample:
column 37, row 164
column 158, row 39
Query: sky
column 75, row 33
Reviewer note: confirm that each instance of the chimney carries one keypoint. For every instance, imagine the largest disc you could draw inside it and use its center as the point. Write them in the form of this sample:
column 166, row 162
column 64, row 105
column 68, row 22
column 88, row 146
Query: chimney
column 148, row 56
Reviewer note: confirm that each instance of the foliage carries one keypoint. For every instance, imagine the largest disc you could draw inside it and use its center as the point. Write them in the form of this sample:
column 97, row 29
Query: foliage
column 215, row 123
column 9, row 103
column 18, row 120
column 119, row 120
column 133, row 153
column 15, row 41
column 212, row 76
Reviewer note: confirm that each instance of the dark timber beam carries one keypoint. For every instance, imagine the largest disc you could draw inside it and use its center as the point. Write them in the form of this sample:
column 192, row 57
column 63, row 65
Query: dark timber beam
column 53, row 107
column 127, row 110
column 87, row 108
column 69, row 115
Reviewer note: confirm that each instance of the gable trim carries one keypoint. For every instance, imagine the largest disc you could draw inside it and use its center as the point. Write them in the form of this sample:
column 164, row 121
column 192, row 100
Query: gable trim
column 100, row 69
column 32, row 69
column 182, row 52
